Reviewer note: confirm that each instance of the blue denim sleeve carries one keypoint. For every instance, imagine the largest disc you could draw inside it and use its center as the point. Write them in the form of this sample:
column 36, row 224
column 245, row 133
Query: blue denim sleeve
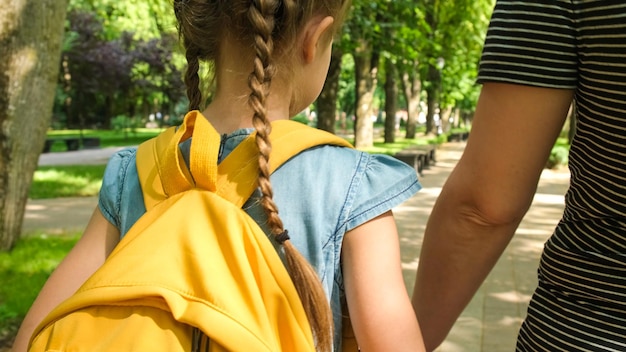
column 381, row 183
column 110, row 198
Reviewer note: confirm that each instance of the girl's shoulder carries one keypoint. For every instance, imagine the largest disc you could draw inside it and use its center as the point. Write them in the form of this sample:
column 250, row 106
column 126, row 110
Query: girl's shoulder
column 118, row 166
column 358, row 185
column 119, row 182
column 340, row 161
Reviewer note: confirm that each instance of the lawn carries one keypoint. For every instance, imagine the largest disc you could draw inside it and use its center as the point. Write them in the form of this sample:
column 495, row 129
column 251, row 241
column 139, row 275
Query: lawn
column 23, row 271
column 380, row 147
column 108, row 138
column 85, row 180
column 81, row 180
column 66, row 181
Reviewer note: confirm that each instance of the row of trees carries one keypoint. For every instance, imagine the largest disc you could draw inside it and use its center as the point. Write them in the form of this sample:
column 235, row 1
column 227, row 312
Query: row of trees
column 413, row 49
column 122, row 58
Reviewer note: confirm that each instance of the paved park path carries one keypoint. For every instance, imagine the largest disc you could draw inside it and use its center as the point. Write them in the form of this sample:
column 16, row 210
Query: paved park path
column 488, row 324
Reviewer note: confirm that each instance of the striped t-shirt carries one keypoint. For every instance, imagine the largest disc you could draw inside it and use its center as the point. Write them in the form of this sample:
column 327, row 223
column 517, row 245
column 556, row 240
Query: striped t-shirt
column 580, row 303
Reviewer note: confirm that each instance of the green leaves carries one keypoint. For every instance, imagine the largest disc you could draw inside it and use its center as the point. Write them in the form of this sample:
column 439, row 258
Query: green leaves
column 425, row 32
column 146, row 19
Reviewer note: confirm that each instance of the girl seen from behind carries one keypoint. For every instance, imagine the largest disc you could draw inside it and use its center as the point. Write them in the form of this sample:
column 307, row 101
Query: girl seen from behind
column 270, row 60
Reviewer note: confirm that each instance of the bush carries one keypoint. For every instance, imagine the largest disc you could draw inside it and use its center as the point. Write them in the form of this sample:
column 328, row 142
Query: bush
column 558, row 156
column 124, row 123
column 440, row 139
column 301, row 117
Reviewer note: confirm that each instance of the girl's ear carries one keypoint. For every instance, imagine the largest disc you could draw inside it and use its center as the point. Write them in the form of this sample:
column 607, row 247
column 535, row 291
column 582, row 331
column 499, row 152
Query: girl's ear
column 316, row 36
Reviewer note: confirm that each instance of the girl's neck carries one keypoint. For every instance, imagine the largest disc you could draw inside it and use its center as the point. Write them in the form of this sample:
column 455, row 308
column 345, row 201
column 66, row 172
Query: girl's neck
column 229, row 112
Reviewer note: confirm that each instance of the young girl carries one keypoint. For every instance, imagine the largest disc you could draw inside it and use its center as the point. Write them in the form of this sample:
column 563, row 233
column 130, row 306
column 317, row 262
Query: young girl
column 270, row 60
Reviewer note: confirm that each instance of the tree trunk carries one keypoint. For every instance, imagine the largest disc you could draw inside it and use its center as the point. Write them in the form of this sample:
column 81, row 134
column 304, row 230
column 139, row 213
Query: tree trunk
column 466, row 119
column 432, row 99
column 31, row 32
column 327, row 101
column 391, row 97
column 444, row 119
column 456, row 118
column 412, row 89
column 366, row 71
column 431, row 106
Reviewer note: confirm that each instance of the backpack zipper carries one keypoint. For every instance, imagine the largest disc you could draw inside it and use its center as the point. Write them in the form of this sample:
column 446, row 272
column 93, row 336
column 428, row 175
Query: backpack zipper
column 199, row 341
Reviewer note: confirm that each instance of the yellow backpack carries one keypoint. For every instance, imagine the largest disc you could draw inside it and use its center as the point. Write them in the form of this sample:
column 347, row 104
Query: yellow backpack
column 195, row 263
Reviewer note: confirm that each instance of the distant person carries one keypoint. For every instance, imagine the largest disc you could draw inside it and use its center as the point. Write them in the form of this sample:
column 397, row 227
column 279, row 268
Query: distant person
column 538, row 57
column 270, row 60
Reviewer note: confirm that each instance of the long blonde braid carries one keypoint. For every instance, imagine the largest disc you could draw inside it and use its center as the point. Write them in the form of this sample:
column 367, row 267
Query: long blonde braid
column 270, row 27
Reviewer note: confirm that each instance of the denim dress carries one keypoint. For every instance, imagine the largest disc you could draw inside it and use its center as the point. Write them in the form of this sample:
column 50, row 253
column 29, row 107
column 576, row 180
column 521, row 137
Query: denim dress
column 321, row 194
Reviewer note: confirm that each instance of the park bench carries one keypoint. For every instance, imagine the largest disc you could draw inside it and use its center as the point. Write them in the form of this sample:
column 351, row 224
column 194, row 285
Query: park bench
column 91, row 142
column 458, row 136
column 72, row 143
column 420, row 157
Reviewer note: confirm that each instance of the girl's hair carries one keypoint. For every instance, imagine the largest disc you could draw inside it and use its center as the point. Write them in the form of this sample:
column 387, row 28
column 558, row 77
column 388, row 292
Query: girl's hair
column 270, row 27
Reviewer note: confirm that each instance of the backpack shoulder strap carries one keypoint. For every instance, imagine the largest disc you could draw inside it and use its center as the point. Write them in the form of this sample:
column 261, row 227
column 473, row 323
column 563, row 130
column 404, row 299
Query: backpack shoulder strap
column 162, row 169
column 236, row 175
column 149, row 177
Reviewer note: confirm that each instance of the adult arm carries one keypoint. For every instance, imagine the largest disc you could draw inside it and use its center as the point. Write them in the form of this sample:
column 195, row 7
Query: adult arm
column 89, row 253
column 378, row 302
column 484, row 198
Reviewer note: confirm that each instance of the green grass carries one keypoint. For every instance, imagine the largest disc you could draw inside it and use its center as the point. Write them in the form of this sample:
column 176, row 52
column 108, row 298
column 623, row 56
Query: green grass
column 108, row 138
column 380, row 147
column 400, row 142
column 559, row 155
column 86, row 180
column 24, row 270
column 66, row 181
